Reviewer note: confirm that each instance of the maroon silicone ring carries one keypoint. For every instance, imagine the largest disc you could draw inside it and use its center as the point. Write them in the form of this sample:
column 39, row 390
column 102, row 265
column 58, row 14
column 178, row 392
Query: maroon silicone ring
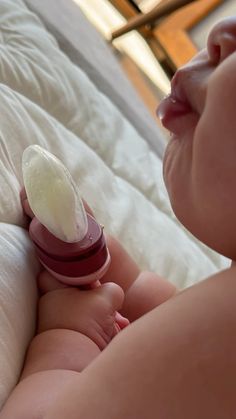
column 70, row 259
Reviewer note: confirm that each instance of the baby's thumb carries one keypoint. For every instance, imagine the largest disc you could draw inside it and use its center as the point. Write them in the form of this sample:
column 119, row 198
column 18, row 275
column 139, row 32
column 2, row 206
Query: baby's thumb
column 114, row 294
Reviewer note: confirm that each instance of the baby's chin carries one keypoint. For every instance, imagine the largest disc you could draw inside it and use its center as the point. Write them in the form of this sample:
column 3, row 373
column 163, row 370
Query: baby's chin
column 189, row 218
column 177, row 168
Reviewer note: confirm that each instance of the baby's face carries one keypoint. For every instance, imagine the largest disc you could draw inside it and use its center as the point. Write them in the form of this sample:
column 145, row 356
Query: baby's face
column 200, row 160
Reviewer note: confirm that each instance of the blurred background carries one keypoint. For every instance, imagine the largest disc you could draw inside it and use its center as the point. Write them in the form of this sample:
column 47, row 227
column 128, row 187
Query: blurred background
column 152, row 38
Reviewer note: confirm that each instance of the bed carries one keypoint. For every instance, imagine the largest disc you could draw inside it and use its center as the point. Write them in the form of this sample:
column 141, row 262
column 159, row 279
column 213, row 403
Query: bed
column 47, row 99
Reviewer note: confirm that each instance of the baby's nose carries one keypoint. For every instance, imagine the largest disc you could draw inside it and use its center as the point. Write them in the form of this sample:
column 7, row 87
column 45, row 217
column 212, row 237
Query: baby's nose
column 222, row 40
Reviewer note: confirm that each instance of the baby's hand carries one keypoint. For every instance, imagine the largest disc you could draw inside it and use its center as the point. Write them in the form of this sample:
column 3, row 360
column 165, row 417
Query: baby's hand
column 74, row 325
column 91, row 312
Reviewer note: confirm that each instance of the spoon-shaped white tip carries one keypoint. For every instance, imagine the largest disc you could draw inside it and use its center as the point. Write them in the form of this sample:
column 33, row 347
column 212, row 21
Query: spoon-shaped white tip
column 53, row 195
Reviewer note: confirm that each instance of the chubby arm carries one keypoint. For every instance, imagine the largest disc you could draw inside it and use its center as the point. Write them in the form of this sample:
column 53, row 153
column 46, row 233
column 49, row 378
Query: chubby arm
column 73, row 327
column 62, row 349
column 176, row 362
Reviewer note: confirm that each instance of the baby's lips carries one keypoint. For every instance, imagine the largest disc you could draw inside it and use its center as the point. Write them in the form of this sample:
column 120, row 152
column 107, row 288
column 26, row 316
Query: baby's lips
column 171, row 105
column 170, row 111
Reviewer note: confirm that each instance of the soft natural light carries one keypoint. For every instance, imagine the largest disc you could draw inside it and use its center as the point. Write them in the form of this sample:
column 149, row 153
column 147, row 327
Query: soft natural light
column 106, row 18
column 146, row 5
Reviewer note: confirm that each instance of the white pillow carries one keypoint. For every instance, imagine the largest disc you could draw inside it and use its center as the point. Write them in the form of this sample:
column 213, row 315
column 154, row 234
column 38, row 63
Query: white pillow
column 17, row 303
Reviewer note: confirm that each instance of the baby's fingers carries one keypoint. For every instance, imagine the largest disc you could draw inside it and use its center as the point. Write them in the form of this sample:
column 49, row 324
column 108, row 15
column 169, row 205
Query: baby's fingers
column 112, row 294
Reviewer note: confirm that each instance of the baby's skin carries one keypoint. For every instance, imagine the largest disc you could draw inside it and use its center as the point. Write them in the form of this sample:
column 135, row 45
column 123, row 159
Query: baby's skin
column 75, row 325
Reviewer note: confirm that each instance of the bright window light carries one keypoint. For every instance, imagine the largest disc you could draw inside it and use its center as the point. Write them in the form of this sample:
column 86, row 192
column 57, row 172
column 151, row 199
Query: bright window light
column 106, row 18
column 146, row 5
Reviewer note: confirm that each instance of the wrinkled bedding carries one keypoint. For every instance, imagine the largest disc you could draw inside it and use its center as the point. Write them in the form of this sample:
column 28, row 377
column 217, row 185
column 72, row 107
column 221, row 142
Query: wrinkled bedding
column 46, row 100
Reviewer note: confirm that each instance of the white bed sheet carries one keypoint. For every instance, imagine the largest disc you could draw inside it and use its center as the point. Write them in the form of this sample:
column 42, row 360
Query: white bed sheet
column 46, row 100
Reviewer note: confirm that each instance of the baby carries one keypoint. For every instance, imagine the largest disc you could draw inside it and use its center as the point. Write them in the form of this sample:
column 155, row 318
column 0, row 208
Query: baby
column 178, row 360
column 75, row 325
